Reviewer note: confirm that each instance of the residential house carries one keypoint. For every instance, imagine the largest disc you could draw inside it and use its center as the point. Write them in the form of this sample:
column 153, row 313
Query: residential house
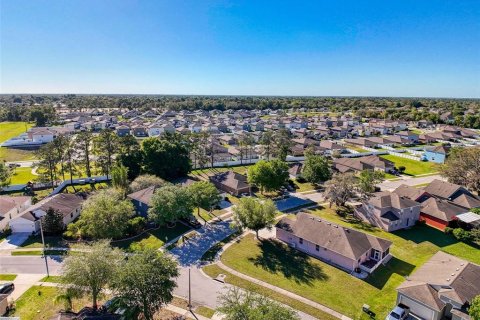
column 389, row 211
column 231, row 182
column 363, row 163
column 122, row 131
column 10, row 207
column 342, row 247
column 409, row 135
column 142, row 200
column 139, row 131
column 439, row 213
column 442, row 288
column 67, row 204
column 362, row 142
column 437, row 154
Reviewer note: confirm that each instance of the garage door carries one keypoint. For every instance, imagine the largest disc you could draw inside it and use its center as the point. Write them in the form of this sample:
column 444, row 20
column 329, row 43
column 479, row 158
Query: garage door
column 22, row 226
column 417, row 309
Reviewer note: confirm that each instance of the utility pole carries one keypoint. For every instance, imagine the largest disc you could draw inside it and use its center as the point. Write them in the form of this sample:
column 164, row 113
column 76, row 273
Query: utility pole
column 43, row 242
column 189, row 292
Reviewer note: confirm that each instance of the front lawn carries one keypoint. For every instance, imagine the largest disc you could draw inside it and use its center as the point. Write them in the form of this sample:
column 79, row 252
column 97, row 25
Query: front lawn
column 53, row 279
column 10, row 154
column 412, row 167
column 152, row 239
column 22, row 175
column 280, row 265
column 7, row 277
column 36, row 242
column 38, row 303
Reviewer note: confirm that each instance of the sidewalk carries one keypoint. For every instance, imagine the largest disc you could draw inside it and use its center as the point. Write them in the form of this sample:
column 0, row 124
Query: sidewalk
column 284, row 292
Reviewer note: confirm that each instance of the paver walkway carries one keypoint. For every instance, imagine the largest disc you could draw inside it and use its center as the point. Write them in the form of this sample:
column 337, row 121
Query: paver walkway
column 284, row 292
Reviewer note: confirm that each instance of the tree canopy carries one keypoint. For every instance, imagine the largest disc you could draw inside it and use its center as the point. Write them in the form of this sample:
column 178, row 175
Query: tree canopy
column 104, row 215
column 239, row 304
column 92, row 269
column 146, row 180
column 146, row 281
column 340, row 188
column 254, row 214
column 167, row 158
column 268, row 175
column 316, row 169
column 367, row 179
column 170, row 203
column 204, row 195
column 463, row 167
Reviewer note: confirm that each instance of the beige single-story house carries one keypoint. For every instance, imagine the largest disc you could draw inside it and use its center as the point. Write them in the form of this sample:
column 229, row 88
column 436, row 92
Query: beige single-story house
column 10, row 207
column 28, row 221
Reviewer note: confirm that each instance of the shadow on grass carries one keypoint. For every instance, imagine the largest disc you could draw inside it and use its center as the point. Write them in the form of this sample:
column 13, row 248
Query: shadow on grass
column 381, row 275
column 294, row 265
column 423, row 233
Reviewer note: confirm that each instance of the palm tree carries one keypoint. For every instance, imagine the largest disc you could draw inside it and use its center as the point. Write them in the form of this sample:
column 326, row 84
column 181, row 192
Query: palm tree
column 66, row 297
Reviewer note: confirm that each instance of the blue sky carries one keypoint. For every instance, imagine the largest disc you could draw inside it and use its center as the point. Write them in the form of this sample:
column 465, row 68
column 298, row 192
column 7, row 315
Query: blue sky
column 348, row 48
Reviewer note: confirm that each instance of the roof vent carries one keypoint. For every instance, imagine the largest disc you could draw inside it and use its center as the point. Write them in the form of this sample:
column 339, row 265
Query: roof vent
column 335, row 226
column 452, row 274
column 448, row 279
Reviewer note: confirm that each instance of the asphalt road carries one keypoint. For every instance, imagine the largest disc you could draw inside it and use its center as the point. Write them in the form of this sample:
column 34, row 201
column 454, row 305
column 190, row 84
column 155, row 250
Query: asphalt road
column 29, row 265
column 409, row 181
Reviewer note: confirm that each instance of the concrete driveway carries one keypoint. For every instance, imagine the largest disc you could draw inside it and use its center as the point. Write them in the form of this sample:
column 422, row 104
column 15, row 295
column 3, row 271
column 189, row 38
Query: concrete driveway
column 13, row 241
column 191, row 251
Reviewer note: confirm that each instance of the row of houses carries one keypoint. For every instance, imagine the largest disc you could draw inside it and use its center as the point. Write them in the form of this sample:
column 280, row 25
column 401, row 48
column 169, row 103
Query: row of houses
column 439, row 204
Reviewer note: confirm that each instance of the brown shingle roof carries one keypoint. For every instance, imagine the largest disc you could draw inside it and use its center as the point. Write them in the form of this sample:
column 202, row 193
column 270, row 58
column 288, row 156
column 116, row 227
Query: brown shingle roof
column 144, row 195
column 7, row 203
column 409, row 192
column 344, row 241
column 441, row 209
column 442, row 188
column 392, row 200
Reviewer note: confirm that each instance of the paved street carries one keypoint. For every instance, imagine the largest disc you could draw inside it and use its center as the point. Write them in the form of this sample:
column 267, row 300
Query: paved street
column 29, row 264
column 409, row 181
column 191, row 251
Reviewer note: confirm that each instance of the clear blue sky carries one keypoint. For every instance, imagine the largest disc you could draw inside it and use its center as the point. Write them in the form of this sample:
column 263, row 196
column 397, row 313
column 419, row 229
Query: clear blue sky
column 334, row 47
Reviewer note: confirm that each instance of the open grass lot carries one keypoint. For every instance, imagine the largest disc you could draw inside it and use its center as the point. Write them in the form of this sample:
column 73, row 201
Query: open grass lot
column 152, row 239
column 36, row 242
column 10, row 155
column 356, row 148
column 9, row 130
column 205, row 173
column 7, row 277
column 38, row 303
column 412, row 167
column 22, row 175
column 280, row 265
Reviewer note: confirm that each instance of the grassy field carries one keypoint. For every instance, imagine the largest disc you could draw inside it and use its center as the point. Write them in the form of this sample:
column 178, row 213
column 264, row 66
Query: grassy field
column 38, row 303
column 36, row 242
column 22, row 175
column 152, row 239
column 205, row 311
column 285, row 267
column 412, row 167
column 9, row 130
column 7, row 277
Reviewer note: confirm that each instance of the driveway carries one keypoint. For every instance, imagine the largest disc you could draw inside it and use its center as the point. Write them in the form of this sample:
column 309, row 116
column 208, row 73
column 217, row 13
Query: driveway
column 191, row 251
column 13, row 241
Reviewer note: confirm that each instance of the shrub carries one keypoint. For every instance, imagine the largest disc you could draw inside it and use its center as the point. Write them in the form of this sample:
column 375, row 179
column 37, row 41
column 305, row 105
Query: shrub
column 401, row 169
column 475, row 236
column 448, row 230
column 462, row 235
column 136, row 225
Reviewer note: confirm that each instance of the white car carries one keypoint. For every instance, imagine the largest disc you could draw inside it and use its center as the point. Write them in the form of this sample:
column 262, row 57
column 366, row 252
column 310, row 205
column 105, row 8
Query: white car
column 400, row 312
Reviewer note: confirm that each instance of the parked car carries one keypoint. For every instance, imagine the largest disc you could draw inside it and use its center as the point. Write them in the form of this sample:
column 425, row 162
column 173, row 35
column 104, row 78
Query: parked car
column 7, row 287
column 400, row 312
column 192, row 222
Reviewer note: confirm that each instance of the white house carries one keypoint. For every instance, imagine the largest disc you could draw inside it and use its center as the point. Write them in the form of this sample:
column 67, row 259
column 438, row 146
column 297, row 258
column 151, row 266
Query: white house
column 10, row 207
column 69, row 205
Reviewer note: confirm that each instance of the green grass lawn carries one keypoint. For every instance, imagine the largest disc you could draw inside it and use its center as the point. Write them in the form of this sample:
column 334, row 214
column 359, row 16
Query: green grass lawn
column 278, row 264
column 9, row 130
column 54, row 279
column 412, row 167
column 205, row 311
column 36, row 242
column 9, row 154
column 356, row 148
column 7, row 277
column 303, row 186
column 38, row 253
column 38, row 303
column 22, row 175
column 152, row 239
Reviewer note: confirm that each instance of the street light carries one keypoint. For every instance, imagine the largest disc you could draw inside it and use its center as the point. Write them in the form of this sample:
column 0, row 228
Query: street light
column 43, row 242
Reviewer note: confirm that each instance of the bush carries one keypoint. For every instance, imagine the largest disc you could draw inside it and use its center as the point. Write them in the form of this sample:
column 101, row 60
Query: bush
column 461, row 235
column 401, row 169
column 448, row 230
column 136, row 225
column 475, row 236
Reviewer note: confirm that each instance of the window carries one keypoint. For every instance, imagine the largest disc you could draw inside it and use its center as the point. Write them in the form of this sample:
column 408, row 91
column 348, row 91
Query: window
column 317, row 247
column 300, row 240
column 71, row 214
